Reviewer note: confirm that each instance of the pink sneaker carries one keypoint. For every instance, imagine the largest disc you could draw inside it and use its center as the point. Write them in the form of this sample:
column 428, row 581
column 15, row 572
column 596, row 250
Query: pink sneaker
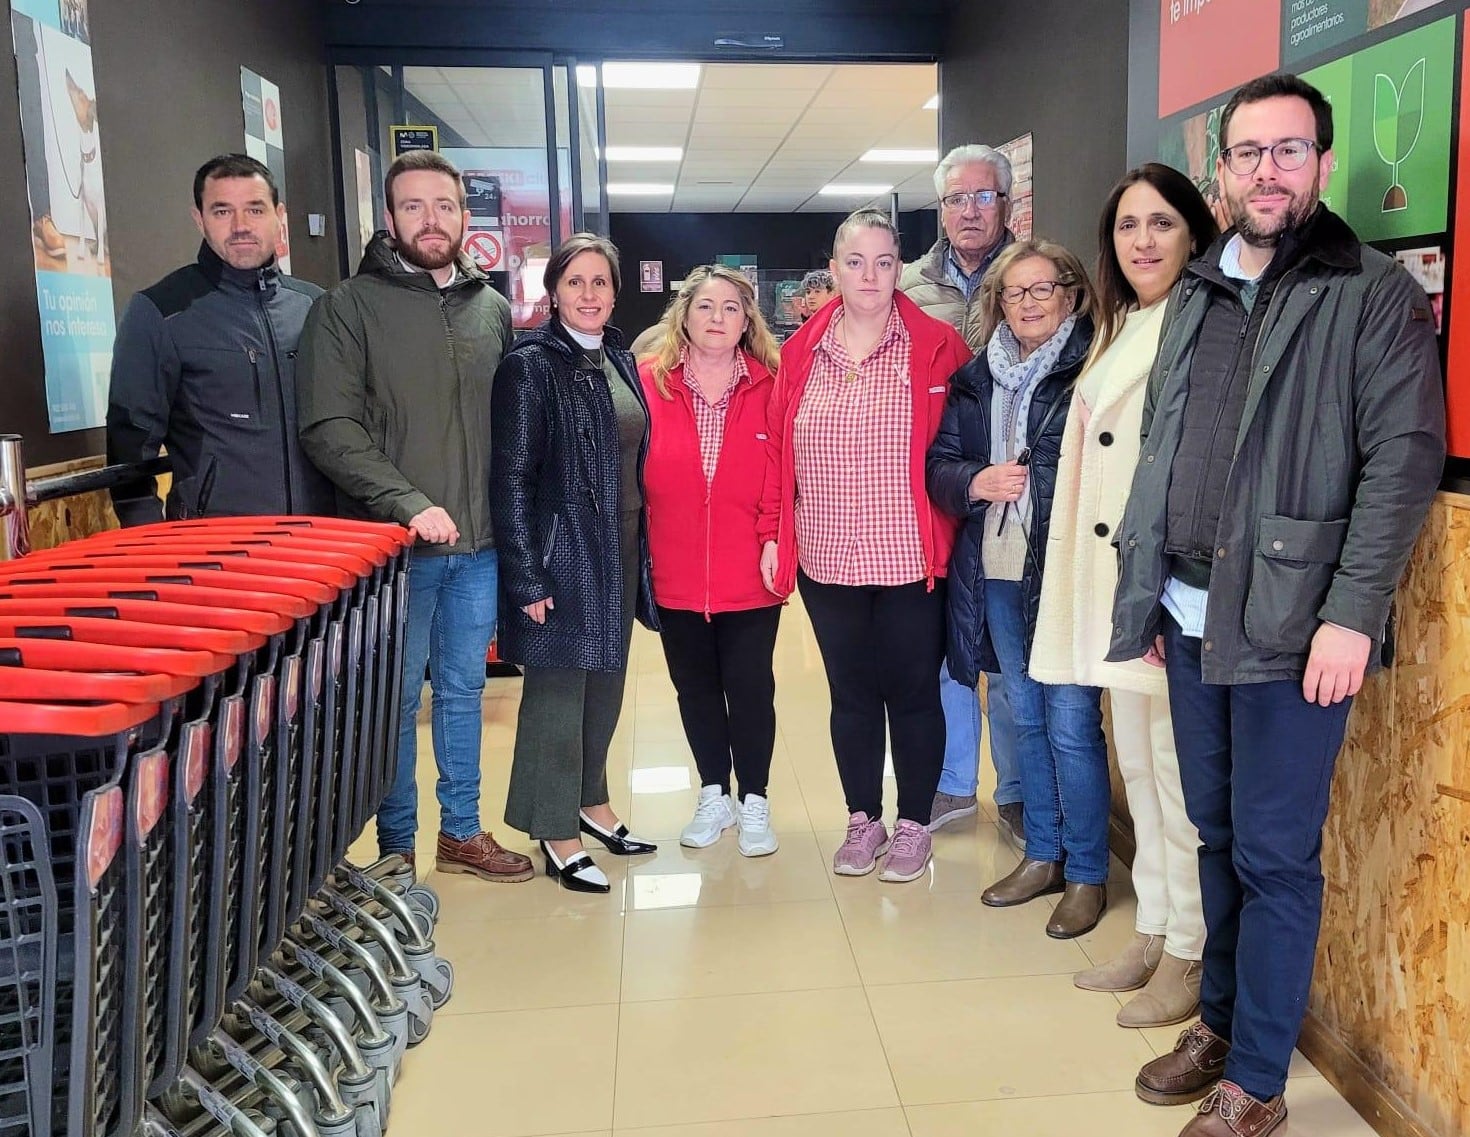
column 867, row 840
column 908, row 857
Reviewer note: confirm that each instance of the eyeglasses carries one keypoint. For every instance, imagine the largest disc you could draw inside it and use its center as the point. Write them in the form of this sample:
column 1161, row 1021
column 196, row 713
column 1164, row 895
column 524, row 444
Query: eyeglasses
column 1041, row 290
column 983, row 199
column 1287, row 155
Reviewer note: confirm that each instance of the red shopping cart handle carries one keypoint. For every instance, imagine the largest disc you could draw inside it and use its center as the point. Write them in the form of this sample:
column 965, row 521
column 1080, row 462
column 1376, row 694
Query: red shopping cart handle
column 365, row 530
column 75, row 655
column 234, row 545
column 345, row 552
column 74, row 720
column 388, row 539
column 87, row 589
column 240, row 560
column 222, row 643
column 109, row 572
column 43, row 685
column 148, row 611
column 82, row 558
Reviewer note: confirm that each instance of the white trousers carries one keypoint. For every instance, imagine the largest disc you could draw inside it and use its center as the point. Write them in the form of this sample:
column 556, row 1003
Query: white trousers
column 1166, row 863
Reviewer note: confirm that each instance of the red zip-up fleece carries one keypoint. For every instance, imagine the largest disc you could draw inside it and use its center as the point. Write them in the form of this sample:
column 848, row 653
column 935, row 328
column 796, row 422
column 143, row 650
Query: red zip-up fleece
column 702, row 540
column 936, row 353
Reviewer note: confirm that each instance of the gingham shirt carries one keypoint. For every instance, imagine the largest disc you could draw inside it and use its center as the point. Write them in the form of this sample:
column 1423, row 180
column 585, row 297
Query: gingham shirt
column 709, row 418
column 856, row 523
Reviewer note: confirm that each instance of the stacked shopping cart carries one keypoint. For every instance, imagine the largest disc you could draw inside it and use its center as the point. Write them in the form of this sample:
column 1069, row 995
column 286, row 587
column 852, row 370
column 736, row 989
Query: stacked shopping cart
column 196, row 720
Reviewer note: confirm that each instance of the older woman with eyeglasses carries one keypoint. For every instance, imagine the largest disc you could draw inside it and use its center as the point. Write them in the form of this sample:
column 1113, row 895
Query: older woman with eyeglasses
column 994, row 465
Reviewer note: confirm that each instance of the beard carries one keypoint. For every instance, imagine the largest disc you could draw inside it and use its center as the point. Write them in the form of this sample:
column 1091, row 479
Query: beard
column 429, row 259
column 1264, row 233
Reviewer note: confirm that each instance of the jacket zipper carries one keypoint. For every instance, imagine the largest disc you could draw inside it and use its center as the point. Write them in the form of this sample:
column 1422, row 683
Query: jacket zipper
column 709, row 493
column 550, row 541
column 270, row 339
column 469, row 518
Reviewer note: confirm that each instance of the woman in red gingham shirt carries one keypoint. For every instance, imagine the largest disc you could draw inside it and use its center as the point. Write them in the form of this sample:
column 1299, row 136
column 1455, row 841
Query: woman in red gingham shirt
column 707, row 391
column 846, row 520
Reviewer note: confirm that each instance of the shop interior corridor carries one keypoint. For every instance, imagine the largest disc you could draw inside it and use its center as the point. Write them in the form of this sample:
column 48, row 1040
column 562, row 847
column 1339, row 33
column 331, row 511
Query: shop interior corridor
column 712, row 995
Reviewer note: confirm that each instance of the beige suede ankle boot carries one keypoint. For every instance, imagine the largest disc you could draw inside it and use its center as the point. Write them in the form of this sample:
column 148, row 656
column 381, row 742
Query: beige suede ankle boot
column 1171, row 996
column 1128, row 971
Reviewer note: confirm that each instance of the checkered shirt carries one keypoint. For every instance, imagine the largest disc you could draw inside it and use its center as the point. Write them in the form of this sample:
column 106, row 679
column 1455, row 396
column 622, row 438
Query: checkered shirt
column 709, row 418
column 856, row 523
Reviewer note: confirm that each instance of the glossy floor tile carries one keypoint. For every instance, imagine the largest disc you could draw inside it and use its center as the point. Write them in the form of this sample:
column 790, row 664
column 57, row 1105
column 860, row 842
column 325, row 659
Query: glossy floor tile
column 714, row 995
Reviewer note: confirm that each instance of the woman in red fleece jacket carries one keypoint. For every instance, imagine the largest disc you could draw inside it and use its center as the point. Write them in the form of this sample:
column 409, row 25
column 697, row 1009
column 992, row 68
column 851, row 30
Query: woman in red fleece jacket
column 707, row 392
column 846, row 517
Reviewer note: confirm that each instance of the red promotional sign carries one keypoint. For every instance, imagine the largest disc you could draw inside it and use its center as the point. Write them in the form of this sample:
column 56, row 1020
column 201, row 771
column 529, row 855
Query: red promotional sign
column 1209, row 47
column 1457, row 378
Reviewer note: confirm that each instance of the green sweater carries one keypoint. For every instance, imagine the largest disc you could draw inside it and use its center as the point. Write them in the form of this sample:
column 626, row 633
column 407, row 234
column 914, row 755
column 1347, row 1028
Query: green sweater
column 393, row 392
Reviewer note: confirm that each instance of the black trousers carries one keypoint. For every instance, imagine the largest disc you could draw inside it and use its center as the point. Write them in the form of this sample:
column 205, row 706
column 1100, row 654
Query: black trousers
column 881, row 648
column 721, row 668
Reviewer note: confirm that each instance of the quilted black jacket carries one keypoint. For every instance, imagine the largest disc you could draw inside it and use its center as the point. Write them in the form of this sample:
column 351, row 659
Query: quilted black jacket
column 556, row 503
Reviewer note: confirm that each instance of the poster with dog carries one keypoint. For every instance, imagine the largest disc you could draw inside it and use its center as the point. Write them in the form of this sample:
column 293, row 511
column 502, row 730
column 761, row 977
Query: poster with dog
column 62, row 135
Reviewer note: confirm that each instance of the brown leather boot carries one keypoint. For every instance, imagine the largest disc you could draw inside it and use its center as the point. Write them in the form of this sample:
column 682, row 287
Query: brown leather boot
column 1026, row 881
column 1188, row 1072
column 1229, row 1111
column 1078, row 911
column 484, row 857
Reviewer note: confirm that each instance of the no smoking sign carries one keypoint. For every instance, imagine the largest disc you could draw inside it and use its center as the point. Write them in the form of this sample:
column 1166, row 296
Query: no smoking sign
column 484, row 249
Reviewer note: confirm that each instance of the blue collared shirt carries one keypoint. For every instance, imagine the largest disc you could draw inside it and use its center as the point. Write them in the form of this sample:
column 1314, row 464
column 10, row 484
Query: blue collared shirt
column 968, row 282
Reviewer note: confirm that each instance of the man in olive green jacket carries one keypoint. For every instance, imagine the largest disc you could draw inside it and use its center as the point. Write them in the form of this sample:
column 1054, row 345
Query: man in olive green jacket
column 1294, row 440
column 393, row 390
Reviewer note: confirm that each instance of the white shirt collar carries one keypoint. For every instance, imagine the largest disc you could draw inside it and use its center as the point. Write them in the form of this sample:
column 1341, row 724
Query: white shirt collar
column 583, row 339
column 453, row 276
column 1230, row 260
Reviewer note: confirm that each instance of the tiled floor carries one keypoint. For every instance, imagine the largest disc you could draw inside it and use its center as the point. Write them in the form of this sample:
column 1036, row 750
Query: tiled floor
column 714, row 996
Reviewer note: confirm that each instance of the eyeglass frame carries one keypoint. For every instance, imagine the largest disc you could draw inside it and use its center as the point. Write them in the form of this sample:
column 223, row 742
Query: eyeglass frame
column 948, row 202
column 1025, row 291
column 1309, row 145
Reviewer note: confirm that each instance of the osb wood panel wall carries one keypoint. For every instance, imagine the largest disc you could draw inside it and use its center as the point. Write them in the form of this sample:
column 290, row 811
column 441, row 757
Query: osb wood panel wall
column 54, row 522
column 1393, row 963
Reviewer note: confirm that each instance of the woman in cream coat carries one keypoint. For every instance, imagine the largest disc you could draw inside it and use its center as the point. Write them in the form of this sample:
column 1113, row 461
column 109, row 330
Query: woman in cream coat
column 1153, row 222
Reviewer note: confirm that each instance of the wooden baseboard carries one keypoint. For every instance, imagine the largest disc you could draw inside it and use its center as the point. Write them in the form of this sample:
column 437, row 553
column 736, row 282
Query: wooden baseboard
column 1378, row 1105
column 1120, row 838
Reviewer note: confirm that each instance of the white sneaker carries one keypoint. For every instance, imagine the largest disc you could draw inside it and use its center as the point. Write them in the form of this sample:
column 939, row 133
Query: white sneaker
column 712, row 816
column 757, row 839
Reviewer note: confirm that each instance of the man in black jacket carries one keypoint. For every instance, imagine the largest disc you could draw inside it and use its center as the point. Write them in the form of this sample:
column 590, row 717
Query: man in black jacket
column 204, row 363
column 1294, row 440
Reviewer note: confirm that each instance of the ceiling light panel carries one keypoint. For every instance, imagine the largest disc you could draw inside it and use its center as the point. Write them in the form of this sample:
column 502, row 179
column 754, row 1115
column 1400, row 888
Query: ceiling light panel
column 645, row 153
column 902, row 157
column 854, row 189
column 642, row 76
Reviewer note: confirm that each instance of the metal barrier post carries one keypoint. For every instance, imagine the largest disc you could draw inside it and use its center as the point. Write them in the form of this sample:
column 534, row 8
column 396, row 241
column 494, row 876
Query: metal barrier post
column 15, row 530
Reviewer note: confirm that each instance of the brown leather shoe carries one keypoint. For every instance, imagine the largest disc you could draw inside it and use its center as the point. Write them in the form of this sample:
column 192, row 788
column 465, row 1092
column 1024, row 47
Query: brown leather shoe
column 1026, row 881
column 1078, row 911
column 48, row 237
column 1188, row 1072
column 484, row 857
column 1229, row 1111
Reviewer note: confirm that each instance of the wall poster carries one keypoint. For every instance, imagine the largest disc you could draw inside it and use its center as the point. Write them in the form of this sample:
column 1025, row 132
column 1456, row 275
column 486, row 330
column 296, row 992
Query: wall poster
column 62, row 137
column 1391, row 70
column 265, row 140
column 1018, row 152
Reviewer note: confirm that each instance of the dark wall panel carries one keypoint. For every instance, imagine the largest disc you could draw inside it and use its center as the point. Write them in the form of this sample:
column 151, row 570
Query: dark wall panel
column 168, row 85
column 685, row 240
column 1060, row 70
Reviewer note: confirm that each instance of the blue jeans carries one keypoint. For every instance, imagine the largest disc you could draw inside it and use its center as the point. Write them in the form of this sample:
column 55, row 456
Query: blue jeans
column 1256, row 762
column 451, row 621
column 1063, row 755
column 962, row 740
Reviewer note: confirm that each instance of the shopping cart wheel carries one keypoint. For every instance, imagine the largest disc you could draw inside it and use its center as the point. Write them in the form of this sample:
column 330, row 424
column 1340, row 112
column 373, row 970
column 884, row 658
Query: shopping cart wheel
column 424, row 898
column 418, row 1029
column 441, row 987
column 423, row 921
column 368, row 1124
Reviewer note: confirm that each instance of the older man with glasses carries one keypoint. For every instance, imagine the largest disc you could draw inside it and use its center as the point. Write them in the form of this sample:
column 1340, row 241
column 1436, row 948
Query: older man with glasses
column 973, row 184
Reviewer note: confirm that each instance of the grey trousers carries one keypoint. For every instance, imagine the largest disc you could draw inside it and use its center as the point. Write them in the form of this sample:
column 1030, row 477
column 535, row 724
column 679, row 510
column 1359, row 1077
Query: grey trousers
column 566, row 725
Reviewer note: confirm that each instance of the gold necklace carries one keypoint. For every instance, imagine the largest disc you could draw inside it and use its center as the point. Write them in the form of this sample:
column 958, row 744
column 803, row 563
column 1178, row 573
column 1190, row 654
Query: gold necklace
column 851, row 374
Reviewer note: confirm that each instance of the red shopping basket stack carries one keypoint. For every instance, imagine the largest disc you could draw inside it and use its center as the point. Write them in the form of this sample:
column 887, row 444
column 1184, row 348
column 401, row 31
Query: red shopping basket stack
column 196, row 719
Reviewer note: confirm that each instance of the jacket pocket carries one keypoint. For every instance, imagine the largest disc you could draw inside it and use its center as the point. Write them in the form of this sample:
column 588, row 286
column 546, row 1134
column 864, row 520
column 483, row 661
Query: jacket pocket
column 548, row 546
column 1291, row 572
